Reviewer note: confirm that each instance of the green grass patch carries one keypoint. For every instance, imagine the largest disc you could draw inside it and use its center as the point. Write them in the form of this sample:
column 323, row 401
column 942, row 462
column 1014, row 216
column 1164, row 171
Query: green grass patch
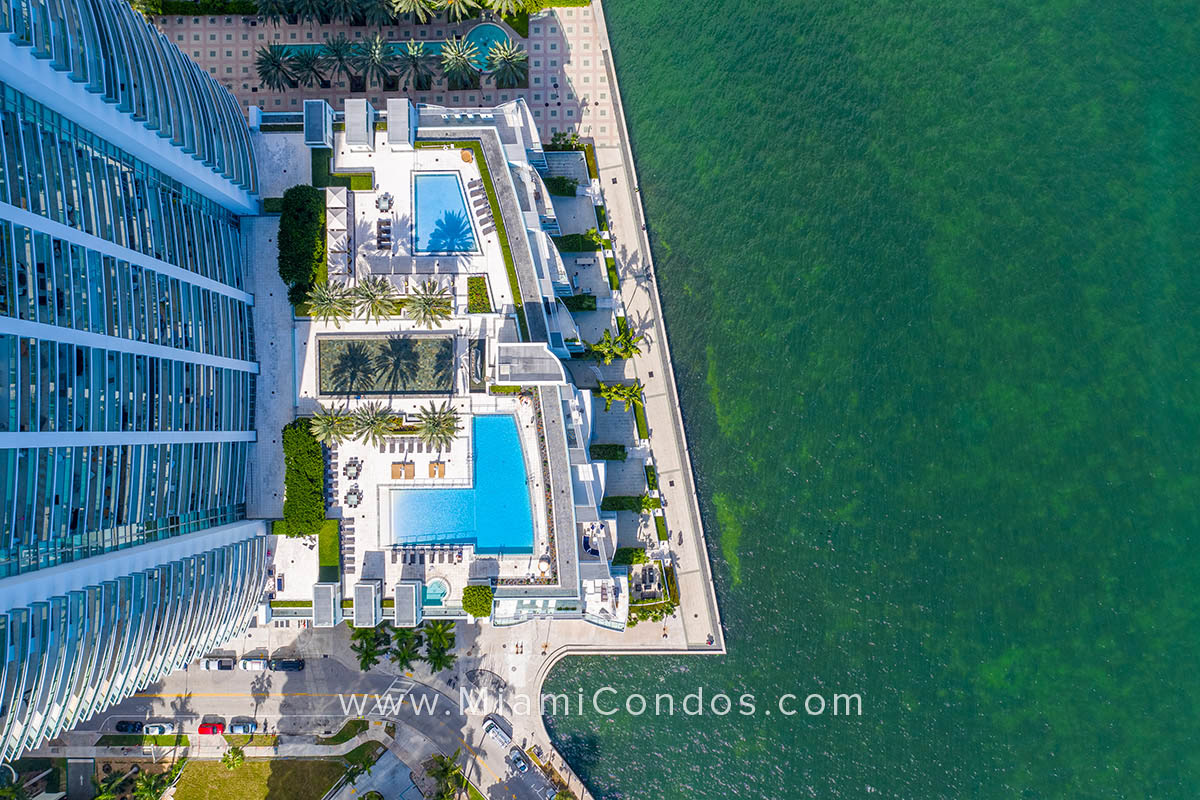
column 608, row 452
column 291, row 604
column 651, row 477
column 614, row 280
column 589, row 155
column 252, row 740
column 322, row 176
column 639, row 419
column 478, row 299
column 490, row 189
column 602, row 218
column 138, row 740
column 579, row 302
column 258, row 780
column 496, row 388
column 660, row 526
column 329, row 551
column 348, row 731
column 618, row 502
column 561, row 185
column 628, row 556
column 578, row 243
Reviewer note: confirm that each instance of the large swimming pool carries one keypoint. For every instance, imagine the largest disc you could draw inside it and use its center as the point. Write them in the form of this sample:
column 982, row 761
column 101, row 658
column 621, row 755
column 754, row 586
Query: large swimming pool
column 441, row 224
column 494, row 514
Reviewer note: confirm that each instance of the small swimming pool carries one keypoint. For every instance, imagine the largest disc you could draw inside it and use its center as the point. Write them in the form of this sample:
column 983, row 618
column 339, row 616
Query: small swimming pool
column 434, row 593
column 494, row 514
column 441, row 223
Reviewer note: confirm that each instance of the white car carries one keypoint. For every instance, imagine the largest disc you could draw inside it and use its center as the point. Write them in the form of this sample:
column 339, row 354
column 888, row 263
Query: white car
column 216, row 663
column 253, row 664
column 496, row 732
column 159, row 729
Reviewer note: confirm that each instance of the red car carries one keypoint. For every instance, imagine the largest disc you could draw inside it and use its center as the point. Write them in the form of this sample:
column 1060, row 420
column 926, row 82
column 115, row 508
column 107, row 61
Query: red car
column 212, row 727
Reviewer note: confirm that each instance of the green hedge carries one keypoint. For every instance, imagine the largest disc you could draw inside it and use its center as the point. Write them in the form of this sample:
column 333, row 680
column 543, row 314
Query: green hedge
column 626, row 556
column 579, row 302
column 614, row 280
column 602, row 218
column 607, row 452
column 477, row 600
column 183, row 8
column 630, row 503
column 291, row 604
column 660, row 525
column 496, row 388
column 303, row 480
column 478, row 300
column 561, row 185
column 579, row 242
column 651, row 477
column 302, row 256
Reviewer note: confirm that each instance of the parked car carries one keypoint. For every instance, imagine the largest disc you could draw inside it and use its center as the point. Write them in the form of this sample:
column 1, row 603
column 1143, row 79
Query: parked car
column 129, row 726
column 159, row 729
column 216, row 663
column 212, row 727
column 518, row 759
column 496, row 732
column 244, row 728
column 253, row 664
column 286, row 664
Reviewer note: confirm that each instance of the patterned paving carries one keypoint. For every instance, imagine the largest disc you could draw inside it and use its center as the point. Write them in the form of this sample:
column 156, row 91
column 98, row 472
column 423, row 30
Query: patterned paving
column 568, row 85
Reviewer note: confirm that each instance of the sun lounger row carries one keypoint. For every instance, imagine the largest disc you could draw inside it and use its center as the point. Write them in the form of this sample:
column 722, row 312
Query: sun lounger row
column 409, row 446
column 436, row 554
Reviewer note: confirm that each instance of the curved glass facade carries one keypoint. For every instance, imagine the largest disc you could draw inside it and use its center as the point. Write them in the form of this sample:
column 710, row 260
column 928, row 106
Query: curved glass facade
column 127, row 350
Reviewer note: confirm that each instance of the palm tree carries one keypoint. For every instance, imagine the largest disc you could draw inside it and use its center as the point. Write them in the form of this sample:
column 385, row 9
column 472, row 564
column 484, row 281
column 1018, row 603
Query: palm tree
column 627, row 343
column 509, row 63
column 458, row 62
column 233, row 758
column 456, row 10
column 446, row 772
column 438, row 659
column 505, row 8
column 420, row 10
column 366, row 644
column 331, row 302
column 272, row 10
column 406, row 644
column 377, row 13
column 150, row 786
column 376, row 298
column 352, row 367
column 345, row 11
column 373, row 423
column 309, row 10
column 308, row 67
column 416, row 65
column 438, row 426
column 108, row 787
column 331, row 425
column 439, row 634
column 605, row 349
column 375, row 59
column 13, row 791
column 628, row 393
column 338, row 54
column 274, row 65
column 428, row 305
column 397, row 361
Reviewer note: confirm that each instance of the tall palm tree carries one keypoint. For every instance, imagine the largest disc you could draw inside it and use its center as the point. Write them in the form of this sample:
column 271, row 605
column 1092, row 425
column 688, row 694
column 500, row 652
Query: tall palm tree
column 108, row 787
column 274, row 65
column 439, row 634
column 338, row 54
column 416, row 65
column 375, row 59
column 447, row 774
column 397, row 361
column 509, row 63
column 373, row 423
column 458, row 62
column 331, row 302
column 604, row 349
column 308, row 67
column 438, row 426
column 505, row 8
column 233, row 758
column 364, row 642
column 272, row 10
column 428, row 304
column 376, row 298
column 620, row 393
column 456, row 10
column 352, row 367
column 331, row 425
column 377, row 13
column 406, row 644
column 344, row 11
column 627, row 343
column 150, row 786
column 419, row 10
column 439, row 659
column 309, row 10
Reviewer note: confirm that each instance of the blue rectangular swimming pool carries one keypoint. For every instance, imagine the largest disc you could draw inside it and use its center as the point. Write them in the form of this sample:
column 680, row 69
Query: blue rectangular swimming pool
column 494, row 514
column 442, row 223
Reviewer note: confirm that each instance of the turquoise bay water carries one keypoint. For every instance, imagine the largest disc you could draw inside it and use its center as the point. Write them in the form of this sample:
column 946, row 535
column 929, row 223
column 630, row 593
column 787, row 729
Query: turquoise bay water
column 494, row 513
column 930, row 274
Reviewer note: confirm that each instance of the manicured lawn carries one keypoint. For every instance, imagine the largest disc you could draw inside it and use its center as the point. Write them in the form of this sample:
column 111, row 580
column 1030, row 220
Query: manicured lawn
column 322, row 177
column 490, row 189
column 258, row 780
column 329, row 550
column 614, row 280
column 257, row 740
column 137, row 740
column 351, row 729
column 660, row 524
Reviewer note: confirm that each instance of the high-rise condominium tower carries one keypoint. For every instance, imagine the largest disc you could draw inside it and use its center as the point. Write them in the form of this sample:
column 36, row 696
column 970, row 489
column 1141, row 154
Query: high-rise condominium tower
column 127, row 354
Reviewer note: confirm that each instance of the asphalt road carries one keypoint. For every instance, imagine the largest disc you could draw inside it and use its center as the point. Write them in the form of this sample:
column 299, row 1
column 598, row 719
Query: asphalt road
column 318, row 700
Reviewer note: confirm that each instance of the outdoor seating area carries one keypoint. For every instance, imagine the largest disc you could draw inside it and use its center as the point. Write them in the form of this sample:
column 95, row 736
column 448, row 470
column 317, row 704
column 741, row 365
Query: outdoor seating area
column 352, row 469
column 384, row 202
column 437, row 469
column 480, row 206
column 403, row 470
column 354, row 497
column 383, row 233
column 646, row 581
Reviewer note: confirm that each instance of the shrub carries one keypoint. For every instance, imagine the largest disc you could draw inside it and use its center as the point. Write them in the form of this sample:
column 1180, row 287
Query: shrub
column 602, row 218
column 303, row 480
column 477, row 600
column 588, row 242
column 626, row 556
column 651, row 477
column 614, row 280
column 607, row 452
column 630, row 503
column 561, row 185
column 579, row 302
column 302, row 257
column 478, row 300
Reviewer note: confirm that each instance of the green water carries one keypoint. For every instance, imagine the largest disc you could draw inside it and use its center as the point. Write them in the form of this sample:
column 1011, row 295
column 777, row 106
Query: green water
column 930, row 272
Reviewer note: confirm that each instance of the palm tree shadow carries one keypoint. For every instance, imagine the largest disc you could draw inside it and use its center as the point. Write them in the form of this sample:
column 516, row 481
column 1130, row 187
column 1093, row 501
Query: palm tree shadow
column 443, row 365
column 181, row 706
column 352, row 368
column 260, row 690
column 452, row 234
column 398, row 361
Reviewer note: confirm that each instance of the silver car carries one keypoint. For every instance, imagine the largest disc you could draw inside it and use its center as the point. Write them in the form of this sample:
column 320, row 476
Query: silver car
column 243, row 728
